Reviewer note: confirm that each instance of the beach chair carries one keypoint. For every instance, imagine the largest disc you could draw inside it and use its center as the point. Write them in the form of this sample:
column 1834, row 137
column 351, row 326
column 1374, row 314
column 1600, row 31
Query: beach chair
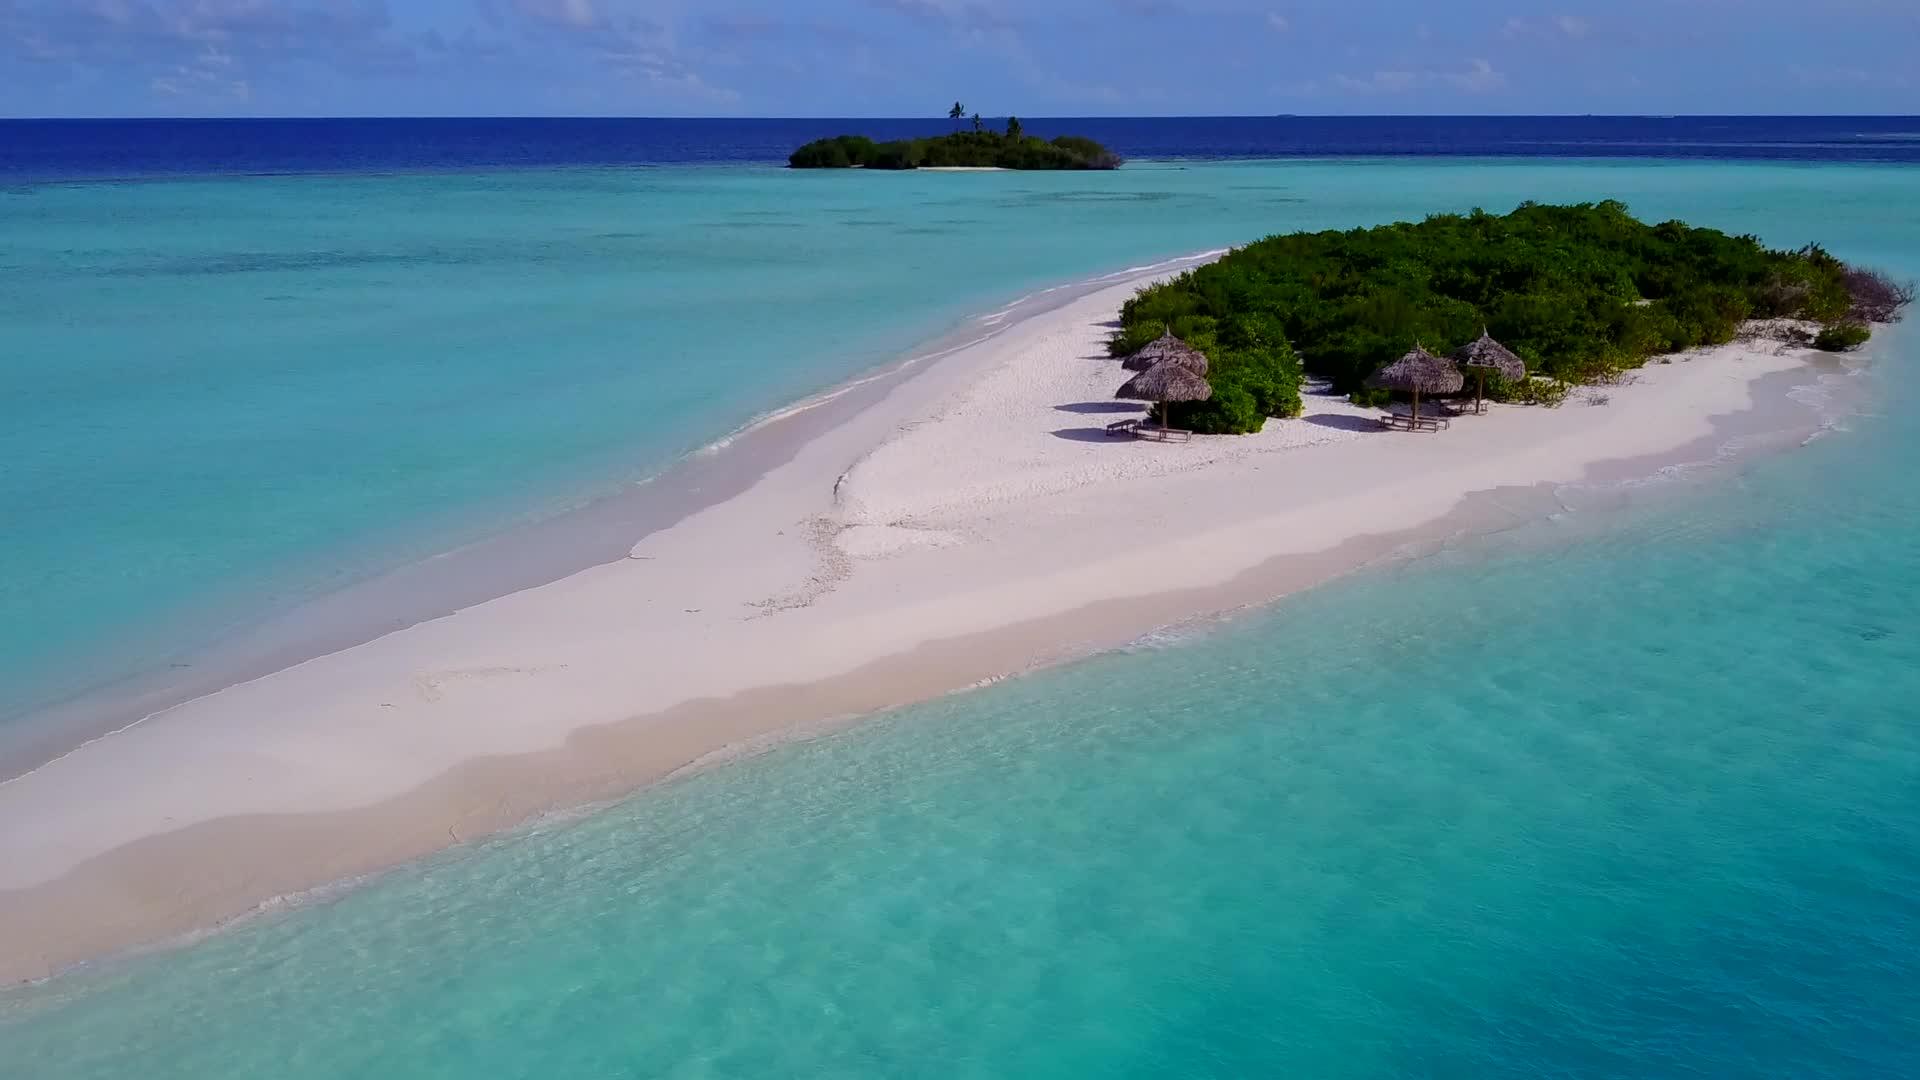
column 1403, row 422
column 1124, row 427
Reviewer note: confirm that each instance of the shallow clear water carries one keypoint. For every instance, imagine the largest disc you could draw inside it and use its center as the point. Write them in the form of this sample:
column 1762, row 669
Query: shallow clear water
column 1634, row 797
column 228, row 394
column 1626, row 793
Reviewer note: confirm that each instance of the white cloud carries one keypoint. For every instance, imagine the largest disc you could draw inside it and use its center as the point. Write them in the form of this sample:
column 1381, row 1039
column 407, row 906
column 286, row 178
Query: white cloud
column 1559, row 27
column 1278, row 23
column 627, row 45
column 1847, row 77
column 568, row 14
column 577, row 13
column 1478, row 78
column 1380, row 82
column 207, row 78
column 204, row 50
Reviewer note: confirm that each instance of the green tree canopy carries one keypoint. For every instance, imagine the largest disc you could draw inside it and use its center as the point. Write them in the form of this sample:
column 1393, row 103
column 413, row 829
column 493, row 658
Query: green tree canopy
column 1577, row 291
column 972, row 148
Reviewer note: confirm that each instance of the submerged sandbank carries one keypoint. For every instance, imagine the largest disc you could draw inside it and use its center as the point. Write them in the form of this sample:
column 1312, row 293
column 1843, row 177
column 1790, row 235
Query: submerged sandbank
column 971, row 522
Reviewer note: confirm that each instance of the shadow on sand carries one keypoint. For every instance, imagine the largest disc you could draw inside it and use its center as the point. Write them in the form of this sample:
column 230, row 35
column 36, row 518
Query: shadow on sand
column 1088, row 434
column 1102, row 407
column 1344, row 422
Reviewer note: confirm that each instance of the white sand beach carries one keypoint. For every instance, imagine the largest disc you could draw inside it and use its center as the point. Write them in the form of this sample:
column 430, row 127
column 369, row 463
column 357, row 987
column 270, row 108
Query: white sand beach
column 975, row 523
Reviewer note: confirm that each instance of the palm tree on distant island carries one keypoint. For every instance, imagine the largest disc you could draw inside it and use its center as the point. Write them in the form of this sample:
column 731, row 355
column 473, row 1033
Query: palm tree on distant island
column 957, row 113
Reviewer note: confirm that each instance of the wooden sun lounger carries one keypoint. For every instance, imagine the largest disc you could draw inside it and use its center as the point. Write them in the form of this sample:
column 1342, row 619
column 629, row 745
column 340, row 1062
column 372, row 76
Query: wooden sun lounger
column 1403, row 422
column 1162, row 434
column 1143, row 430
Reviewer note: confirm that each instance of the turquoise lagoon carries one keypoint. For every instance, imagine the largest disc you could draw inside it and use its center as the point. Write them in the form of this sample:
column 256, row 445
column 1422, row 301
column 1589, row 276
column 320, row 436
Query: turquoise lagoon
column 225, row 396
column 1619, row 792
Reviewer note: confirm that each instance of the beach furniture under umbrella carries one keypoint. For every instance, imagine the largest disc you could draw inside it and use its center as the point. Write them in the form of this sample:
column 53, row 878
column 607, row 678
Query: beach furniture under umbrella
column 1419, row 372
column 1166, row 347
column 1484, row 355
column 1164, row 383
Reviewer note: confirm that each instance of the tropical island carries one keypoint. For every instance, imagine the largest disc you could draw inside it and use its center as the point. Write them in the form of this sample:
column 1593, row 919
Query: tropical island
column 1578, row 293
column 974, row 148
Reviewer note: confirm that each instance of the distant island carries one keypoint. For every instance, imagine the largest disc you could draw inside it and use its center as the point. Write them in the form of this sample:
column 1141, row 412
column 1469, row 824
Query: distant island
column 1581, row 294
column 977, row 148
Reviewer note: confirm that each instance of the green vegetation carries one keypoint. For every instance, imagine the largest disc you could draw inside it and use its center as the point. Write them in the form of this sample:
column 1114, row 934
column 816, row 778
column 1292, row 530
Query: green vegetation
column 978, row 148
column 1842, row 337
column 1580, row 292
column 1251, row 367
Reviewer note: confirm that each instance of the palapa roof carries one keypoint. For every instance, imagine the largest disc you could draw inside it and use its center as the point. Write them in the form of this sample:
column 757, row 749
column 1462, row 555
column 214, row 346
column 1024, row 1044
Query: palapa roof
column 1420, row 371
column 1488, row 353
column 1167, row 347
column 1166, row 381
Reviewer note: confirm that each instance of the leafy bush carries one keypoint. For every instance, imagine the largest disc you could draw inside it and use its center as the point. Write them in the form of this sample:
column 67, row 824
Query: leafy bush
column 1580, row 292
column 1842, row 337
column 1130, row 339
column 1098, row 157
column 840, row 152
column 1529, row 391
column 1230, row 411
column 976, row 149
column 1250, row 365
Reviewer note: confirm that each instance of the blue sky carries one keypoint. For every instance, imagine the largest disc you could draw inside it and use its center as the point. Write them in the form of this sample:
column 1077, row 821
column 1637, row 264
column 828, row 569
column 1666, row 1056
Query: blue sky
column 914, row 57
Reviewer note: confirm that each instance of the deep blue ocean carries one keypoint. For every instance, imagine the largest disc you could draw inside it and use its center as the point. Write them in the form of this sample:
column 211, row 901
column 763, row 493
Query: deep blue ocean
column 1616, row 793
column 92, row 149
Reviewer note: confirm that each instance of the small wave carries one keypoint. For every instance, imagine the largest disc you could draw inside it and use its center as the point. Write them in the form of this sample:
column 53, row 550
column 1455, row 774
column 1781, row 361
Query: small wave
column 1181, row 634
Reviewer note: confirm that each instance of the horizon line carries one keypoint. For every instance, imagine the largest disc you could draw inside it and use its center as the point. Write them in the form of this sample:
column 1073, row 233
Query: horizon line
column 996, row 116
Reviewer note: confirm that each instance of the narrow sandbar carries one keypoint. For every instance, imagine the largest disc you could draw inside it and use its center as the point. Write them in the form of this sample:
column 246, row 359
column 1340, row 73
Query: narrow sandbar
column 975, row 521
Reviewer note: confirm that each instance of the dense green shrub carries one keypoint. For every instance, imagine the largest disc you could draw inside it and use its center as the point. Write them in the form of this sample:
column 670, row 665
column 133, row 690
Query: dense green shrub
column 1580, row 292
column 1532, row 390
column 1009, row 150
column 1098, row 157
column 840, row 152
column 1230, row 411
column 1250, row 365
column 1842, row 337
column 1129, row 339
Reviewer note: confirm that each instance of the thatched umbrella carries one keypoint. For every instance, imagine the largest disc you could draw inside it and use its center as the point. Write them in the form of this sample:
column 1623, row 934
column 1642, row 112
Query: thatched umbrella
column 1167, row 347
column 1165, row 382
column 1420, row 372
column 1484, row 355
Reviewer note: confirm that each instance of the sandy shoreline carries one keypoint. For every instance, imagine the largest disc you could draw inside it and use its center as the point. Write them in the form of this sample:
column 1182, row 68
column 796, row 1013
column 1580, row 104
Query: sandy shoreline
column 969, row 522
column 523, row 557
